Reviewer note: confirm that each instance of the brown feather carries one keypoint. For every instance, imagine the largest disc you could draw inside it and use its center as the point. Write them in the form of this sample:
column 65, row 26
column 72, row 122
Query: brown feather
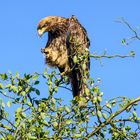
column 67, row 39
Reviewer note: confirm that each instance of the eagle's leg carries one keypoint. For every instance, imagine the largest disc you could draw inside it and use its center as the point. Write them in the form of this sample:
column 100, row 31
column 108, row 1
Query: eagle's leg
column 66, row 71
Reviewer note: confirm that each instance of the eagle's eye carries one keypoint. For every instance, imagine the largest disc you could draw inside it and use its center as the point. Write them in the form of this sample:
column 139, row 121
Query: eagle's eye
column 46, row 24
column 40, row 27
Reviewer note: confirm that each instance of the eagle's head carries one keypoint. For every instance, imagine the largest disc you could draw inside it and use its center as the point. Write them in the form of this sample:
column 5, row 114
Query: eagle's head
column 49, row 24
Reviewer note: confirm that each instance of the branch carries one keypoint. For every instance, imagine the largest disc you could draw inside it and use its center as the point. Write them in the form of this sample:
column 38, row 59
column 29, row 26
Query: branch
column 125, row 120
column 108, row 121
column 7, row 96
column 111, row 56
column 122, row 20
column 5, row 127
column 9, row 122
column 65, row 88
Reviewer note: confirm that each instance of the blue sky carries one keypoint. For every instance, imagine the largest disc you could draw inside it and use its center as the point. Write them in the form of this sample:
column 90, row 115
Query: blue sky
column 20, row 45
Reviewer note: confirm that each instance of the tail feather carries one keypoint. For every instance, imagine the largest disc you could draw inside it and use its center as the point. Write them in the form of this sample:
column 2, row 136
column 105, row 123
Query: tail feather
column 78, row 84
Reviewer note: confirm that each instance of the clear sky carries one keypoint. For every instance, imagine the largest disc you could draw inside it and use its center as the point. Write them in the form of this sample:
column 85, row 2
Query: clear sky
column 20, row 45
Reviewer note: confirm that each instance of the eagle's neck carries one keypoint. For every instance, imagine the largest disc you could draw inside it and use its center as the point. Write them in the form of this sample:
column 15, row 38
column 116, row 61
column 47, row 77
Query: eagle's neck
column 57, row 33
column 59, row 30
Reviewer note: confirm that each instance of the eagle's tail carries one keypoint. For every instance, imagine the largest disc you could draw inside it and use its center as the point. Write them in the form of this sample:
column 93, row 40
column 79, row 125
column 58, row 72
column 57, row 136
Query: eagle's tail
column 78, row 83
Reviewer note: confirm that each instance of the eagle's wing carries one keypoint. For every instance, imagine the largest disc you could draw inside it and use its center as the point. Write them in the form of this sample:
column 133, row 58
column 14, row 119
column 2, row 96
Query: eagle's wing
column 77, row 44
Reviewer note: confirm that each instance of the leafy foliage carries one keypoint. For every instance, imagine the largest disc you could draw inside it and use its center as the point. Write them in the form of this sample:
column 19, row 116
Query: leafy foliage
column 49, row 118
column 87, row 117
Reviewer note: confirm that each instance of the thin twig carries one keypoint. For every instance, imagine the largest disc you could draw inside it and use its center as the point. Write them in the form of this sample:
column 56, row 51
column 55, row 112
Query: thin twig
column 109, row 120
column 109, row 56
column 123, row 21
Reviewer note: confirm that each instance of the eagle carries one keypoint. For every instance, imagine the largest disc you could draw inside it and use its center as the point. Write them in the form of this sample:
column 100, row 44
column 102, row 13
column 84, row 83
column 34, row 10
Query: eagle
column 67, row 49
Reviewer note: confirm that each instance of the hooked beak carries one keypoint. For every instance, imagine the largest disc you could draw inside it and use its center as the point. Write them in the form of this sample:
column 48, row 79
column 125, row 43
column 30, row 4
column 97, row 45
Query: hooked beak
column 40, row 33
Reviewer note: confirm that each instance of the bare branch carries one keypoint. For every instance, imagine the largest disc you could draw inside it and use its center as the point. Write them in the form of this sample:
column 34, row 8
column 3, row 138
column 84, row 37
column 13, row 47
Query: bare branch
column 134, row 31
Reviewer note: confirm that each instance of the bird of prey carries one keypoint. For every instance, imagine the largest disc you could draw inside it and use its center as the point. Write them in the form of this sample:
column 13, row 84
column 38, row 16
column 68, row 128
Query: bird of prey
column 67, row 49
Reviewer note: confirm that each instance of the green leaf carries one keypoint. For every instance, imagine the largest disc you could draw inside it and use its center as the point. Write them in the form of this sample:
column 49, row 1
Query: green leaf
column 99, row 114
column 133, row 133
column 29, row 104
column 132, row 53
column 37, row 92
column 82, row 102
column 115, row 135
column 17, row 75
column 87, row 91
column 104, row 116
column 55, row 124
column 27, row 90
column 18, row 110
column 23, row 115
column 96, row 90
column 134, row 114
column 4, row 76
column 99, row 99
column 35, row 77
column 67, row 109
column 43, row 115
column 61, row 108
column 2, row 103
column 19, row 88
column 84, row 66
column 78, row 135
column 56, row 89
column 27, row 76
column 101, row 94
column 75, row 59
column 1, row 86
column 33, row 138
column 23, row 93
column 68, row 122
column 128, row 128
column 108, row 105
column 138, row 119
column 94, row 100
column 36, row 82
column 10, row 137
column 93, row 113
column 9, row 104
column 54, row 100
column 124, row 41
column 14, row 88
column 124, row 132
